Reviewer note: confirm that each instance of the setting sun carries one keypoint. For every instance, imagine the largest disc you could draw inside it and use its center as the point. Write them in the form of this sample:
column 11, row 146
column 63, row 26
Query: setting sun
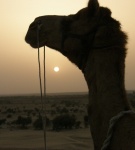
column 56, row 69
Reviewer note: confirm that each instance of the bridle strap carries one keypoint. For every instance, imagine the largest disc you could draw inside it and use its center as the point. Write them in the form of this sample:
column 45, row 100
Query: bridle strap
column 43, row 103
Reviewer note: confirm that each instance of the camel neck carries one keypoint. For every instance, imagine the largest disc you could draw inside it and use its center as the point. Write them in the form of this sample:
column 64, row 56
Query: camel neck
column 107, row 97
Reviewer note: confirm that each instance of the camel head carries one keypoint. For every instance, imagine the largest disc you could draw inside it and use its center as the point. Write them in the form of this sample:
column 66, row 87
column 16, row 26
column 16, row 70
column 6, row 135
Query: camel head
column 75, row 35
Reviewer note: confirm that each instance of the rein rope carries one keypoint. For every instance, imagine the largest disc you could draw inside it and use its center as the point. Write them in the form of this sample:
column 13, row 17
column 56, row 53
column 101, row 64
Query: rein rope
column 42, row 97
column 112, row 124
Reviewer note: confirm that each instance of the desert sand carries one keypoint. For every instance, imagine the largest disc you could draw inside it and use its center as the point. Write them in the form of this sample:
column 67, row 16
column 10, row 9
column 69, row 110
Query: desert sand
column 79, row 139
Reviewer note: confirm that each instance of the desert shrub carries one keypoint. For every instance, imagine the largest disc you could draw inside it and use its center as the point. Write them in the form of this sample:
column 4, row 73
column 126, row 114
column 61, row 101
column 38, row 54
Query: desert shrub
column 9, row 116
column 38, row 123
column 86, row 121
column 53, row 105
column 36, row 109
column 23, row 121
column 29, row 112
column 2, row 121
column 58, row 109
column 76, row 110
column 9, row 110
column 53, row 112
column 24, row 107
column 65, row 121
column 77, row 124
column 34, row 113
column 64, row 110
column 68, row 103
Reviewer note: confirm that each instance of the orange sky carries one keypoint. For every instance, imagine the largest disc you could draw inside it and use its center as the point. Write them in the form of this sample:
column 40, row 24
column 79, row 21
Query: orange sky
column 18, row 61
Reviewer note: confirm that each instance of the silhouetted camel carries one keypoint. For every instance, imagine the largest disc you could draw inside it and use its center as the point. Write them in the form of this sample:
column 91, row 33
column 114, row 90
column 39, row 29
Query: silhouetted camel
column 93, row 40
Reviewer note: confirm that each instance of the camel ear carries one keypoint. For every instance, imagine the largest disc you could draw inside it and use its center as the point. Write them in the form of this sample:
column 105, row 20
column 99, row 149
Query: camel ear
column 93, row 7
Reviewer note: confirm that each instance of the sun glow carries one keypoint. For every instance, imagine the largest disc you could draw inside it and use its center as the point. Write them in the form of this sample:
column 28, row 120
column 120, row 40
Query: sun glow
column 56, row 69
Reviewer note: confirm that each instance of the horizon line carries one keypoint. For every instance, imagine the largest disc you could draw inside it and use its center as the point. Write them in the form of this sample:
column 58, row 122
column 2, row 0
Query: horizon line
column 57, row 93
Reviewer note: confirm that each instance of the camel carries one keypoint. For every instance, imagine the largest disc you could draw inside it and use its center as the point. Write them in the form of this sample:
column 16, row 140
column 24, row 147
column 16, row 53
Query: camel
column 96, row 44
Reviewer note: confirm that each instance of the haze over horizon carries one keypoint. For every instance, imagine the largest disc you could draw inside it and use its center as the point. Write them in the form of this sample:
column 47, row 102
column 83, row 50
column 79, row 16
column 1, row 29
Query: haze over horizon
column 18, row 61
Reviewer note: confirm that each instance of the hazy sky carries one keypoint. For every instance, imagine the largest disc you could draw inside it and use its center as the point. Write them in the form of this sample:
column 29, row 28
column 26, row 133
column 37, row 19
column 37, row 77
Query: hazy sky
column 18, row 61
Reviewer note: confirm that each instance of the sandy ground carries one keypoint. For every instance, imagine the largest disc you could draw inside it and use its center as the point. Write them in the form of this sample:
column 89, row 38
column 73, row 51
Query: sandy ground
column 79, row 139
